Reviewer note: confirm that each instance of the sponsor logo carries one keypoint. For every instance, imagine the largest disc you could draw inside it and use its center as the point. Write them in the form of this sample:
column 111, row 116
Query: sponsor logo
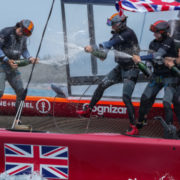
column 43, row 106
column 108, row 109
column 5, row 103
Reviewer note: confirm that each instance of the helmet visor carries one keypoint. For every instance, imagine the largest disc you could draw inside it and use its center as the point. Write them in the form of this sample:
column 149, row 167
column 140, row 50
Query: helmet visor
column 109, row 22
column 153, row 28
column 26, row 32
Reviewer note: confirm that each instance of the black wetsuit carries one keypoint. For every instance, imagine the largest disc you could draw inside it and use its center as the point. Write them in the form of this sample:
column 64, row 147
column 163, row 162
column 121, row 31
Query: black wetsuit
column 162, row 78
column 176, row 102
column 126, row 70
column 11, row 47
column 175, row 31
column 176, row 99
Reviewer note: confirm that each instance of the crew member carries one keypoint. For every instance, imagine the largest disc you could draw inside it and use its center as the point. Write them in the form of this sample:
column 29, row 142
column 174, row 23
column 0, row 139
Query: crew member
column 123, row 39
column 174, row 65
column 162, row 46
column 12, row 47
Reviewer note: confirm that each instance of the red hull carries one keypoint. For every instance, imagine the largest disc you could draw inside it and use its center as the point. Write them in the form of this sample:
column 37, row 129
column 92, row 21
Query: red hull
column 106, row 156
column 43, row 106
column 97, row 156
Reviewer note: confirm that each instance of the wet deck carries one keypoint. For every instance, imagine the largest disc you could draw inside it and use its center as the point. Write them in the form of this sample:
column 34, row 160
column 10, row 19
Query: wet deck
column 83, row 125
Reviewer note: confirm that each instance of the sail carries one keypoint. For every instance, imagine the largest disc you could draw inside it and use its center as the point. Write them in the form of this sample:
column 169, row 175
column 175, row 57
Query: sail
column 148, row 5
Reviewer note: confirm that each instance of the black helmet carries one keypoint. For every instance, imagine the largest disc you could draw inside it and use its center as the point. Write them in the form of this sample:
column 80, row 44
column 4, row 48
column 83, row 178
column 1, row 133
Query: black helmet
column 160, row 26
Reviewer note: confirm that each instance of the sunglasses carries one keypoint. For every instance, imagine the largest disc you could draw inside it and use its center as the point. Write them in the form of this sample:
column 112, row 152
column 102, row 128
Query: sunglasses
column 109, row 22
column 153, row 28
column 25, row 32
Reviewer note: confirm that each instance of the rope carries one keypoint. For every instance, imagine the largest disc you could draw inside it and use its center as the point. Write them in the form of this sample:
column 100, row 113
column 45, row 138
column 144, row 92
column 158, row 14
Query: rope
column 77, row 106
column 142, row 29
column 23, row 97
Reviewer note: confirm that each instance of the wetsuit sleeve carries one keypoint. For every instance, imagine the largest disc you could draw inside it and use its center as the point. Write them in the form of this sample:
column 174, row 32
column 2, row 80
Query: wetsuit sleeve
column 107, row 45
column 176, row 71
column 25, row 52
column 158, row 55
column 2, row 39
column 148, row 57
column 163, row 50
column 118, row 39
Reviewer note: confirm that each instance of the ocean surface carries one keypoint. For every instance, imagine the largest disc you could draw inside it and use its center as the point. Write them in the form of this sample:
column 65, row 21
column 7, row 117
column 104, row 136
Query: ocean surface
column 44, row 75
column 34, row 91
column 21, row 177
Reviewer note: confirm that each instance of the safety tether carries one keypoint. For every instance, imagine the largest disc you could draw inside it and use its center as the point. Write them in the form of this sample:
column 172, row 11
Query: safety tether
column 23, row 97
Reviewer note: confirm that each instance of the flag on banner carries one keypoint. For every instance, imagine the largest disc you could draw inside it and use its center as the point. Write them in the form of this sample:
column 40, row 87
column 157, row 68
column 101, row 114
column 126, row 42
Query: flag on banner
column 48, row 161
column 147, row 5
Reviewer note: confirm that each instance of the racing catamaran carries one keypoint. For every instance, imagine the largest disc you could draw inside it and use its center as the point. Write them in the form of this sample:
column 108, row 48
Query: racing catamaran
column 95, row 147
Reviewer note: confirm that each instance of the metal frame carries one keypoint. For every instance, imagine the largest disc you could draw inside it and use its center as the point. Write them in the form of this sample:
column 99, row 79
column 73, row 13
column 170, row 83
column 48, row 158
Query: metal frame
column 100, row 2
column 85, row 80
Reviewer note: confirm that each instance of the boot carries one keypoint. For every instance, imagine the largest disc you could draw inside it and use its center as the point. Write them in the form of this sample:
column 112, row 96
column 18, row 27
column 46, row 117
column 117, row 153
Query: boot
column 141, row 124
column 86, row 112
column 145, row 122
column 133, row 130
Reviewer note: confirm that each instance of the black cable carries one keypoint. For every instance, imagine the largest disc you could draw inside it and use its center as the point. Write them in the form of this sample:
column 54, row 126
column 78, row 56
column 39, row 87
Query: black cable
column 30, row 77
column 77, row 106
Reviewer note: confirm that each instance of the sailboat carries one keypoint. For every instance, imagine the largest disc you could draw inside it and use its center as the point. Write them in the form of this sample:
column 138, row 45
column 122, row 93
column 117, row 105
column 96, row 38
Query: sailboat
column 61, row 145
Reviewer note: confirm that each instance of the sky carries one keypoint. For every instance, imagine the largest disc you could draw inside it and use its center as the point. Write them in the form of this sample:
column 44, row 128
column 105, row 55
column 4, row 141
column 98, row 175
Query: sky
column 13, row 11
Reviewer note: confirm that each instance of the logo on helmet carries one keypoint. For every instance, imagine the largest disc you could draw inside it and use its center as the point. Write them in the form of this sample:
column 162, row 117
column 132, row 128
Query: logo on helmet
column 117, row 20
column 27, row 27
column 160, row 26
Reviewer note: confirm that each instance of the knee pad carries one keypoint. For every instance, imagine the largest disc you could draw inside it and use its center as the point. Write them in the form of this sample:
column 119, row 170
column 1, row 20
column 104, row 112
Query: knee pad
column 167, row 105
column 144, row 98
column 103, row 85
column 126, row 99
column 176, row 99
column 20, row 92
column 1, row 93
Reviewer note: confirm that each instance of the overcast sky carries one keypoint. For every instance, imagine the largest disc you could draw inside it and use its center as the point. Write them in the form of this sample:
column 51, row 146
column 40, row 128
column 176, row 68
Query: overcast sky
column 12, row 11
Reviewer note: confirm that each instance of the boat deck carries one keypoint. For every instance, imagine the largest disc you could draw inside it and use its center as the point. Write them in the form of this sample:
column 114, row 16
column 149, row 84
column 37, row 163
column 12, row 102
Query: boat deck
column 65, row 125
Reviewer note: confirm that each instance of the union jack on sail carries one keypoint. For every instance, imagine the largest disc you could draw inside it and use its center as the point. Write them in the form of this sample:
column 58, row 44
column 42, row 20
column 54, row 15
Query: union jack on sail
column 49, row 161
column 147, row 5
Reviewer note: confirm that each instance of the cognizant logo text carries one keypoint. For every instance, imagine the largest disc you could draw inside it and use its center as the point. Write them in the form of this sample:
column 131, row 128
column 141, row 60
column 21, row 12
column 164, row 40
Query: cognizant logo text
column 108, row 109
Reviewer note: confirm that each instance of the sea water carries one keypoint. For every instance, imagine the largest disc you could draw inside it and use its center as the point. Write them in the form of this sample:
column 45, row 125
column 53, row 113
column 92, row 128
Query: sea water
column 35, row 91
column 33, row 176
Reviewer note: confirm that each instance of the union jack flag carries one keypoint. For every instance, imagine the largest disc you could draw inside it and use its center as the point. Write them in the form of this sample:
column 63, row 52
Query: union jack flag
column 147, row 5
column 49, row 161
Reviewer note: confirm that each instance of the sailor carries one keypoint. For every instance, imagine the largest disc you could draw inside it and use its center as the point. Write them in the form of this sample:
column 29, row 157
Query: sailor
column 174, row 65
column 162, row 46
column 123, row 39
column 175, row 30
column 12, row 47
